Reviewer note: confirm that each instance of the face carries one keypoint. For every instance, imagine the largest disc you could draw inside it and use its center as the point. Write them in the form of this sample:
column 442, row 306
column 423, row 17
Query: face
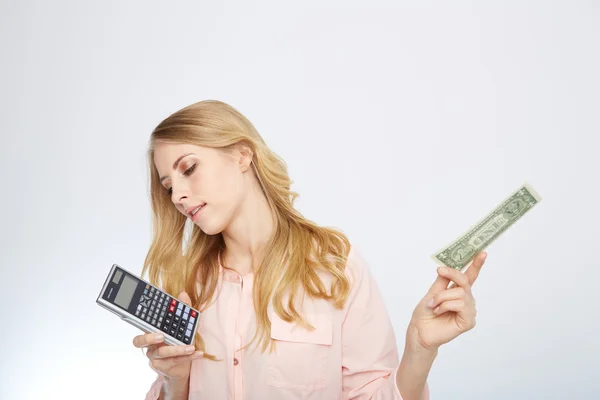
column 206, row 177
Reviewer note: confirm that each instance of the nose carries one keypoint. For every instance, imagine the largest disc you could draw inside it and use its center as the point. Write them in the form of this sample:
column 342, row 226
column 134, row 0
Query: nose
column 179, row 193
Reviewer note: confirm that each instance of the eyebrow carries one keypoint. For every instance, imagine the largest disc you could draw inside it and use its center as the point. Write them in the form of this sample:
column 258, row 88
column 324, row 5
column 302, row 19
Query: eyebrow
column 175, row 165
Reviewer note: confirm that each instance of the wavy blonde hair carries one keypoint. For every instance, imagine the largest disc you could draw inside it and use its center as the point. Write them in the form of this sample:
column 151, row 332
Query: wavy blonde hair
column 294, row 253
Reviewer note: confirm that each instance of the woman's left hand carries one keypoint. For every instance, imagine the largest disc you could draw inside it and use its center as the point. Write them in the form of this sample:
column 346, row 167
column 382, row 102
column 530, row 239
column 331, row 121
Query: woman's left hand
column 445, row 312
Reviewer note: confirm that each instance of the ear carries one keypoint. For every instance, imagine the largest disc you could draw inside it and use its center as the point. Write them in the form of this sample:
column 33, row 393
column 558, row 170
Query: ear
column 245, row 156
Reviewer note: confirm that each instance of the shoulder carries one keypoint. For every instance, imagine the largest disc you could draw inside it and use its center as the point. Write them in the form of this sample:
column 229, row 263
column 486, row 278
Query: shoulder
column 356, row 265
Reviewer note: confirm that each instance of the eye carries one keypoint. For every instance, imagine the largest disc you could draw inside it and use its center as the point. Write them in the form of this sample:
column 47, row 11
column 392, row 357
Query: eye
column 187, row 172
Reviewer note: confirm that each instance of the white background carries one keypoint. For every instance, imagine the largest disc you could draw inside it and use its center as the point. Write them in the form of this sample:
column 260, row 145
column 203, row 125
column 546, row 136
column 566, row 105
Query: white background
column 402, row 123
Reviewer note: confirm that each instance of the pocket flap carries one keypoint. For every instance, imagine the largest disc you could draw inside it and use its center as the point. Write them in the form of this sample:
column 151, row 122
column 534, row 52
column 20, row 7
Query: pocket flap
column 293, row 332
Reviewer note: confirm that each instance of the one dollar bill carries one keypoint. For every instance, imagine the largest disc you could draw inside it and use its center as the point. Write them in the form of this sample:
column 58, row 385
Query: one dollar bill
column 459, row 253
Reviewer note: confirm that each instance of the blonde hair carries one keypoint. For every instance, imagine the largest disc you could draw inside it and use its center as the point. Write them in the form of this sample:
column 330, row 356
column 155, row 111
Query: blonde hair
column 296, row 250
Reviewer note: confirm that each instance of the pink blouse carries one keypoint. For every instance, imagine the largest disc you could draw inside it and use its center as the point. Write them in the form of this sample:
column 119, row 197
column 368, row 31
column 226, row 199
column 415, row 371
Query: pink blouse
column 351, row 353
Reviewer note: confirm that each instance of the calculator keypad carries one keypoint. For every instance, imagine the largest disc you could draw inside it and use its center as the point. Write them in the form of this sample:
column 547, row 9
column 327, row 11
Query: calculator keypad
column 170, row 315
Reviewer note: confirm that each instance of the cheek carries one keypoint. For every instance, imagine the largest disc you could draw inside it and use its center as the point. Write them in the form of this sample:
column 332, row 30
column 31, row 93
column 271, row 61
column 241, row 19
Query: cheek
column 225, row 189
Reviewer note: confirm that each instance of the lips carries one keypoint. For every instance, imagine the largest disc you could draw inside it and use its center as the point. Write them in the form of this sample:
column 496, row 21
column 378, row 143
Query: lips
column 191, row 210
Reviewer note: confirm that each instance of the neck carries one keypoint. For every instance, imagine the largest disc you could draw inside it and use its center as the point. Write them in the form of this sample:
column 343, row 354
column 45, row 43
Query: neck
column 250, row 230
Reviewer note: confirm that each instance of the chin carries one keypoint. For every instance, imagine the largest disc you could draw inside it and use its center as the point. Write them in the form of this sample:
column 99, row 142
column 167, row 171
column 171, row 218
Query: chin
column 210, row 229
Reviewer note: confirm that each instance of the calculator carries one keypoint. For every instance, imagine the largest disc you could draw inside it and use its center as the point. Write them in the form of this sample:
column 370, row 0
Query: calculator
column 147, row 307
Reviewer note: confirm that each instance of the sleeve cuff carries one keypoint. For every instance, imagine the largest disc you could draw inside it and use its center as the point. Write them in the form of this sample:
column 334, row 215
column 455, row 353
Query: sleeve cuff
column 154, row 392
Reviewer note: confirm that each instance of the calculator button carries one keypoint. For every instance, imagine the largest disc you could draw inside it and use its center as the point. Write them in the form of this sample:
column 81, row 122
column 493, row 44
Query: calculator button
column 172, row 308
column 168, row 321
column 193, row 313
column 180, row 336
column 176, row 319
column 137, row 312
column 183, row 323
column 145, row 291
column 143, row 315
column 173, row 302
column 173, row 332
column 186, row 316
column 153, row 321
column 165, row 328
column 186, row 340
column 192, row 319
column 180, row 306
column 181, row 329
column 169, row 315
column 178, row 312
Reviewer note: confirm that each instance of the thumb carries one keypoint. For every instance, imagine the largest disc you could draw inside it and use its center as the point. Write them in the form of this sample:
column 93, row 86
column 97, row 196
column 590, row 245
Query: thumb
column 183, row 296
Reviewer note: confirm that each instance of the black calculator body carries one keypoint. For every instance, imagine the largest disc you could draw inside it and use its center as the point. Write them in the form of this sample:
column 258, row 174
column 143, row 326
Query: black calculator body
column 147, row 307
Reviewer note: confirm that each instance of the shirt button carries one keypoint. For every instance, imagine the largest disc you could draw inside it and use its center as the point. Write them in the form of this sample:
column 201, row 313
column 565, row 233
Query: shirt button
column 235, row 361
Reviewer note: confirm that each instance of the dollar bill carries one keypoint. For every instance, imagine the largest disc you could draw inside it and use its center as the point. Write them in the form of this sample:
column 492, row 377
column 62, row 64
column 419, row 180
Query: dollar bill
column 459, row 253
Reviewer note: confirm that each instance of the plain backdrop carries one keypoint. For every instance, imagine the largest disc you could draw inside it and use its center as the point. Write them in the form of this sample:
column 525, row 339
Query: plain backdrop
column 402, row 123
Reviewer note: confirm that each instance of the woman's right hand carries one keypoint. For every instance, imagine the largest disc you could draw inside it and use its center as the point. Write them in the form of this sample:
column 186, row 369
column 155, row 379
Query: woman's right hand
column 173, row 362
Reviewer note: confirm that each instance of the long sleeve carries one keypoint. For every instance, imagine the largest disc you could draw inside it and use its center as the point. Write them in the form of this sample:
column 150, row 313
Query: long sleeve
column 369, row 351
column 155, row 389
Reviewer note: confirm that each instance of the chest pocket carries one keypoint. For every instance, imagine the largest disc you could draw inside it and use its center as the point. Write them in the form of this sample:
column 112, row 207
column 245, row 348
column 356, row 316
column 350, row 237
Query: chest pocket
column 300, row 356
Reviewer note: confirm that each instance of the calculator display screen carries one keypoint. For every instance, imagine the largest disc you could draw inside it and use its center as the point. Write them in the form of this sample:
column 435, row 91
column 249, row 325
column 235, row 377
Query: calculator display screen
column 126, row 291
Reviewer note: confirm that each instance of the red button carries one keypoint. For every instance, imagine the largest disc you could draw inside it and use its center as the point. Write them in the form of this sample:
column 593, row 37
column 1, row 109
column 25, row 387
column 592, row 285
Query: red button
column 172, row 308
column 173, row 302
column 193, row 313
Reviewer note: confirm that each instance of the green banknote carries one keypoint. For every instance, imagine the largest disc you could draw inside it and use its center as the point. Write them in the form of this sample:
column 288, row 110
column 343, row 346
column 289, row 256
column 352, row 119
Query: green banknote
column 459, row 253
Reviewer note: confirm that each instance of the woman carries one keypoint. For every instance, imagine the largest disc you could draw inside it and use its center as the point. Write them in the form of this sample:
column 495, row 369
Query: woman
column 289, row 308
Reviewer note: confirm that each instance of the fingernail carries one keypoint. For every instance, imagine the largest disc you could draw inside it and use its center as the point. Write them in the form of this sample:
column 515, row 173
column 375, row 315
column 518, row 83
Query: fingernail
column 190, row 349
column 442, row 270
column 158, row 336
column 430, row 303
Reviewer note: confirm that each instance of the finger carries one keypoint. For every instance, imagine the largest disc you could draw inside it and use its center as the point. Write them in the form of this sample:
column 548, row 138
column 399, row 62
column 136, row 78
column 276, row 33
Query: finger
column 152, row 349
column 456, row 277
column 452, row 305
column 440, row 283
column 164, row 364
column 475, row 267
column 172, row 351
column 148, row 339
column 472, row 271
column 458, row 293
column 183, row 296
